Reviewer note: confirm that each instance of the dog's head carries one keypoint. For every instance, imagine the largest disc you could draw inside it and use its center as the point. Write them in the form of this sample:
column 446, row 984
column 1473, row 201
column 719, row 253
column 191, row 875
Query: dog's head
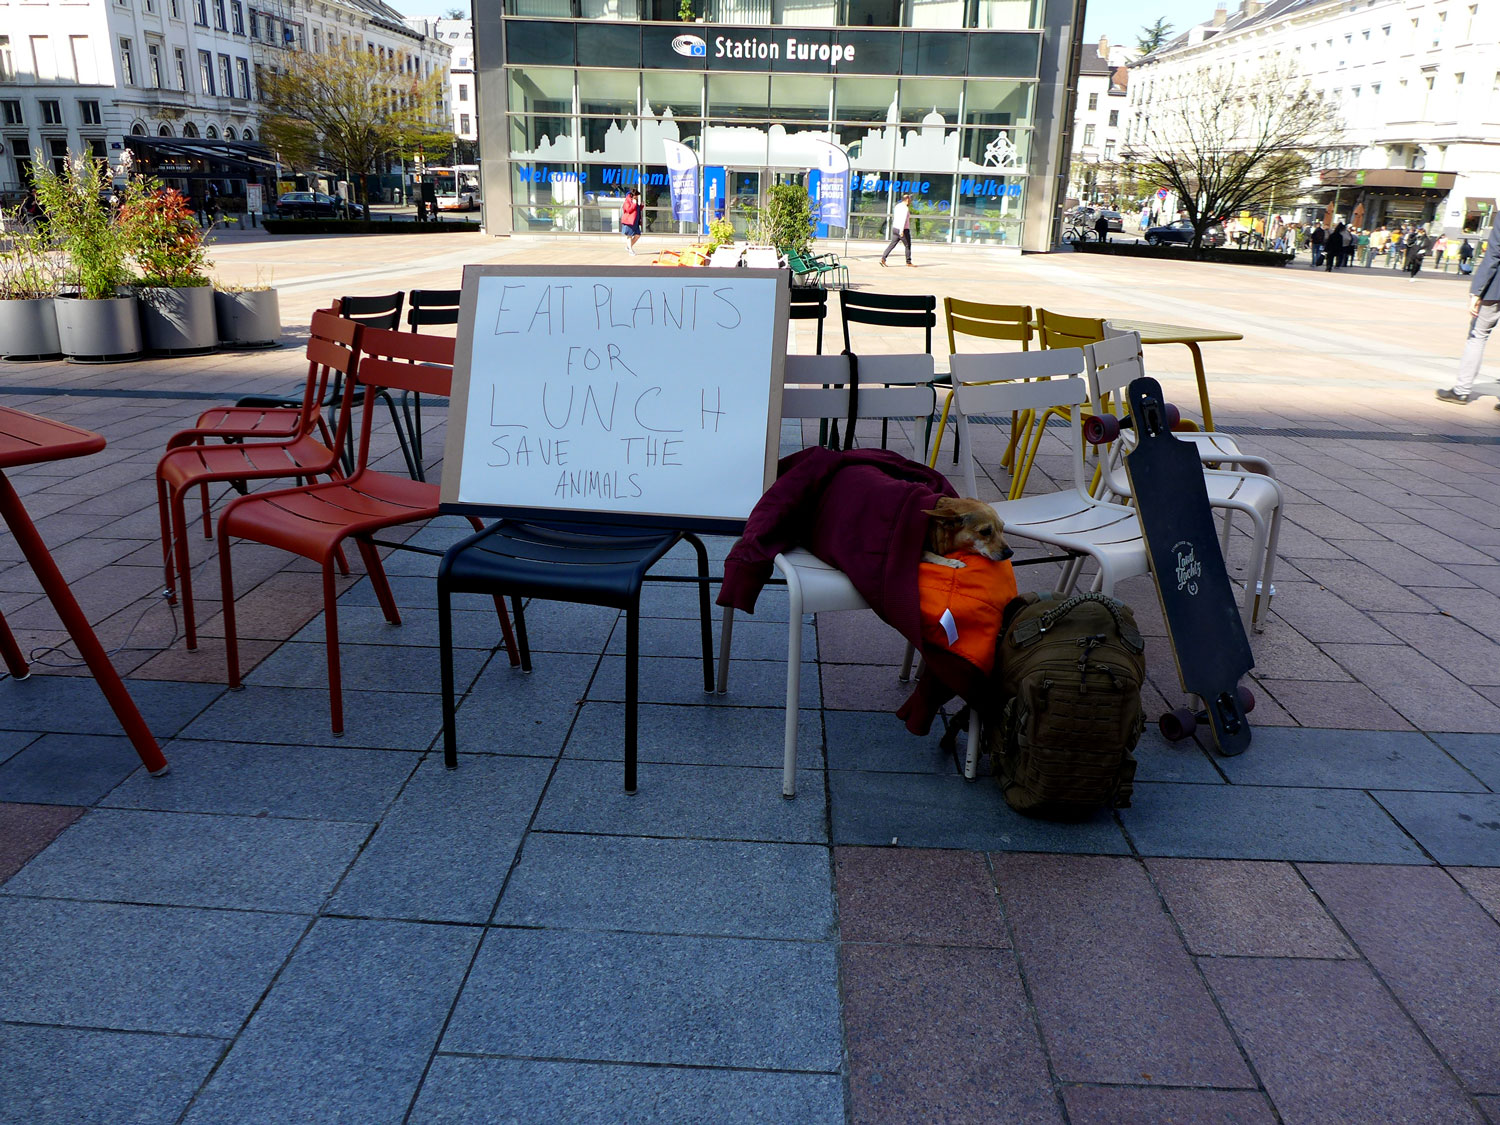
column 966, row 525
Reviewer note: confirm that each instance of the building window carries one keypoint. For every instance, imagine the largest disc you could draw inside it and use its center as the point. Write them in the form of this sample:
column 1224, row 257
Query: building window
column 1093, row 101
column 57, row 150
column 179, row 56
column 1109, row 152
column 88, row 111
column 212, row 133
column 200, row 12
column 153, row 64
column 190, row 130
column 463, row 123
column 254, row 24
column 237, row 16
column 242, row 72
column 137, row 130
column 317, row 40
column 11, row 109
column 175, row 8
column 51, row 111
column 7, row 64
column 1088, row 134
column 463, row 91
column 226, row 76
column 164, row 130
column 1114, row 118
column 127, row 63
column 206, row 72
column 219, row 21
column 247, row 135
column 150, row 6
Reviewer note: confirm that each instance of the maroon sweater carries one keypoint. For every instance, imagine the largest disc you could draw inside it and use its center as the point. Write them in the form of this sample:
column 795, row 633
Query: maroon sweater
column 861, row 511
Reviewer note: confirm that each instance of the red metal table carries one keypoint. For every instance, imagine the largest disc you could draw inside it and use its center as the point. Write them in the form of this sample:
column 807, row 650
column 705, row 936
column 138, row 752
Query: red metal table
column 26, row 439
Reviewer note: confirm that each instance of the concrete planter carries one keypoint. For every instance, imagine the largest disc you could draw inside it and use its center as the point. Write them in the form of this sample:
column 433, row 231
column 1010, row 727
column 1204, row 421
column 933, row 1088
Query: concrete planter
column 177, row 321
column 28, row 329
column 98, row 330
column 249, row 319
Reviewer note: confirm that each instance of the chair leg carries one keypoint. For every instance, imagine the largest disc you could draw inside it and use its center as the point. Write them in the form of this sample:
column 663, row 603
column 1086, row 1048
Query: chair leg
column 793, row 691
column 378, row 580
column 445, row 658
column 184, row 567
column 341, row 559
column 15, row 660
column 331, row 639
column 163, row 508
column 703, row 613
column 1263, row 597
column 507, row 635
column 226, row 594
column 726, row 630
column 521, row 642
column 971, row 751
column 905, row 676
column 208, row 531
column 632, row 661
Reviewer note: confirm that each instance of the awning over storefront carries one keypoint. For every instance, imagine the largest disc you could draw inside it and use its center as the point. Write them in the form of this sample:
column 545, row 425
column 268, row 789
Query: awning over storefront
column 196, row 156
column 1387, row 179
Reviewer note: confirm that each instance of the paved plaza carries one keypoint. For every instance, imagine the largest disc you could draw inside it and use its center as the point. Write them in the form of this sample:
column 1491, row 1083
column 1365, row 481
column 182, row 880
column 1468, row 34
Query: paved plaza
column 297, row 927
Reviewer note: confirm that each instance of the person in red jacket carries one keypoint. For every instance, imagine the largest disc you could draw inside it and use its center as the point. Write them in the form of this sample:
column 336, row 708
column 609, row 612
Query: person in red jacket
column 630, row 219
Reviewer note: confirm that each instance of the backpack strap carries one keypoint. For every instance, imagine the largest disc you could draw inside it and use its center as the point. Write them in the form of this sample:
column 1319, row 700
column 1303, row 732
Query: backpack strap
column 1030, row 630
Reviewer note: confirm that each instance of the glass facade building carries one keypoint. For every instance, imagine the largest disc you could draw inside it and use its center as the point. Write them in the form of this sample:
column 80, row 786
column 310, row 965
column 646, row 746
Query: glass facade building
column 578, row 96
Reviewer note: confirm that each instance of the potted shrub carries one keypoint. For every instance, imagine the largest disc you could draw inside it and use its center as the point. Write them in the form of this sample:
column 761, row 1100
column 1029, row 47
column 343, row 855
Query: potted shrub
column 248, row 316
column 28, row 284
column 94, row 321
column 176, row 299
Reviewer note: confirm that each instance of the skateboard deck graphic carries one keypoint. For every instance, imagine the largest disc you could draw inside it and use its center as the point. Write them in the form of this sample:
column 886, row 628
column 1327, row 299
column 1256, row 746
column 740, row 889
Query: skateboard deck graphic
column 1199, row 604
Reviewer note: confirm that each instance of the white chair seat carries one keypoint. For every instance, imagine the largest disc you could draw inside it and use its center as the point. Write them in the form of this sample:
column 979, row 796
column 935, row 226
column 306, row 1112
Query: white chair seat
column 1221, row 449
column 1110, row 533
column 823, row 588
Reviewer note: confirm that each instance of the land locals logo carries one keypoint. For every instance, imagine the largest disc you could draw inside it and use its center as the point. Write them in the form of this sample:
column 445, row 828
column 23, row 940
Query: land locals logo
column 1189, row 569
column 691, row 46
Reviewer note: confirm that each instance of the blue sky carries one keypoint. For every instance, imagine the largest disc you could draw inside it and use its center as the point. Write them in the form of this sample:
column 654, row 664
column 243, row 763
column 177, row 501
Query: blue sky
column 1122, row 20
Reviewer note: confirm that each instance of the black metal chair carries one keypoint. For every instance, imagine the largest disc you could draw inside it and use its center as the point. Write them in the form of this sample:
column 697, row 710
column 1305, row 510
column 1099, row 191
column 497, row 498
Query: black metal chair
column 892, row 310
column 810, row 303
column 424, row 307
column 589, row 564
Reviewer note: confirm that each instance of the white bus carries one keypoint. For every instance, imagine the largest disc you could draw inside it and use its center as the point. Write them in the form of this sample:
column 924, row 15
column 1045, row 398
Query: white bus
column 457, row 186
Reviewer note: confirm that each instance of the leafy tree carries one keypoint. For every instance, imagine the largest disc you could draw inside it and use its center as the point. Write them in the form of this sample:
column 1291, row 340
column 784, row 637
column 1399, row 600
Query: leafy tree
column 787, row 221
column 1154, row 36
column 349, row 110
column 1225, row 139
column 456, row 14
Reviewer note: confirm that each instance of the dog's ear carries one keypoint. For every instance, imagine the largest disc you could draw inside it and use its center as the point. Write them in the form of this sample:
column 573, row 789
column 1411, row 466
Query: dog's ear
column 944, row 511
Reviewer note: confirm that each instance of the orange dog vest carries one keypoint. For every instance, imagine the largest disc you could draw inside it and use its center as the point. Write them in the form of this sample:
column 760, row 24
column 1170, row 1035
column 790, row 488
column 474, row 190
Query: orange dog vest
column 962, row 607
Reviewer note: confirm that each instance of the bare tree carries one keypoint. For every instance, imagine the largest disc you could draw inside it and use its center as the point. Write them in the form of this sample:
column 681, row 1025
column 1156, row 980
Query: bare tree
column 350, row 110
column 1229, row 137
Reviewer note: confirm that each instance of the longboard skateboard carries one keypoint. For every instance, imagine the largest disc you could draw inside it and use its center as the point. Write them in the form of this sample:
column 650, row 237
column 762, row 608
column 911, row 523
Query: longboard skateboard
column 1199, row 604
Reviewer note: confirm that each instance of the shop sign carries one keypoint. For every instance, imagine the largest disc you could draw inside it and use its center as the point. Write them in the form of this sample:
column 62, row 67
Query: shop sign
column 765, row 46
column 1429, row 179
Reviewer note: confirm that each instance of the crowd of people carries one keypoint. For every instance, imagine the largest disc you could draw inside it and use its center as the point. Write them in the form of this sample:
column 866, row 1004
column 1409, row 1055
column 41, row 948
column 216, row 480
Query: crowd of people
column 1402, row 247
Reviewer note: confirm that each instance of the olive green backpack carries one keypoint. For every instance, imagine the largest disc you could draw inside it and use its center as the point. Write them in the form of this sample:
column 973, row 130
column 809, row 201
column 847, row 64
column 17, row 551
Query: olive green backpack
column 1068, row 680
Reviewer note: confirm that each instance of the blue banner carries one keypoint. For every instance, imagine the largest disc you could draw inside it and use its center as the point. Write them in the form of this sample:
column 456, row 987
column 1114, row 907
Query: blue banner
column 833, row 198
column 682, row 175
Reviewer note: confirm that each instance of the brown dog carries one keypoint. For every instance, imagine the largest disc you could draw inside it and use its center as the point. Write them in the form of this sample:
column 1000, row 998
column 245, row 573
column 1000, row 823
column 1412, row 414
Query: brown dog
column 964, row 525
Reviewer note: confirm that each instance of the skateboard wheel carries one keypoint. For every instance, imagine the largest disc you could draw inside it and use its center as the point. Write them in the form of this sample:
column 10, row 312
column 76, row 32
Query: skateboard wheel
column 1174, row 416
column 1247, row 700
column 1100, row 429
column 1177, row 725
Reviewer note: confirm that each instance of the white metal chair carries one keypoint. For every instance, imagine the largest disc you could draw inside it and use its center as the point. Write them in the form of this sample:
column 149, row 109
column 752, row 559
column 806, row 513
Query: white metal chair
column 763, row 258
column 1071, row 519
column 1215, row 448
column 725, row 257
column 818, row 388
column 1112, row 364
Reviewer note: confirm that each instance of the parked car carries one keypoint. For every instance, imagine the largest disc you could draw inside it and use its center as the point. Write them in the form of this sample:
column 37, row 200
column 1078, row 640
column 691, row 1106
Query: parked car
column 465, row 200
column 1115, row 220
column 316, row 205
column 1181, row 232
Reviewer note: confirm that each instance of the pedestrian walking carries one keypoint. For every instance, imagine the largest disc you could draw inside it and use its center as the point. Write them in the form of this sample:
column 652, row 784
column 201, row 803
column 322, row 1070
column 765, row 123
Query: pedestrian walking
column 1484, row 313
column 1101, row 227
column 1397, row 249
column 900, row 229
column 630, row 220
column 1466, row 257
column 1318, row 238
column 1439, row 248
column 1333, row 247
column 1416, row 247
column 1364, row 248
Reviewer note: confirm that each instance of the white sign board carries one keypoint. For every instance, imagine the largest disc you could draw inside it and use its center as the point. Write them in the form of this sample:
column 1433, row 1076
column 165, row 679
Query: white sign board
column 641, row 395
column 255, row 201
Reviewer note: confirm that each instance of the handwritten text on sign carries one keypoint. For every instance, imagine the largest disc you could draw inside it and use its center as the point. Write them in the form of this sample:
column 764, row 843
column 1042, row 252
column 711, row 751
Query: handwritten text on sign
column 618, row 393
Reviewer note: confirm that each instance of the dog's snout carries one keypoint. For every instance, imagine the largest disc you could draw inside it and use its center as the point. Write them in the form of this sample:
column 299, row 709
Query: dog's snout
column 1005, row 553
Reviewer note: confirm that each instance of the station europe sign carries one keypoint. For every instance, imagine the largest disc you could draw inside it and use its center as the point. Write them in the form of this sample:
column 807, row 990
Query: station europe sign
column 766, row 47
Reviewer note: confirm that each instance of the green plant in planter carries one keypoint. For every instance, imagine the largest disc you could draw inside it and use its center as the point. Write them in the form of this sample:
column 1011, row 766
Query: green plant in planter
column 787, row 221
column 165, row 239
column 720, row 233
column 30, row 270
column 91, row 230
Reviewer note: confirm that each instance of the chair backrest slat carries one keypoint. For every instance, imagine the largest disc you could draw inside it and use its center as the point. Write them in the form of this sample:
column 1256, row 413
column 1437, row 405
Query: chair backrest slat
column 432, row 306
column 995, row 367
column 1000, row 399
column 373, row 312
column 888, row 310
column 1058, row 330
column 407, row 361
column 874, row 402
column 896, row 369
column 816, row 369
column 989, row 322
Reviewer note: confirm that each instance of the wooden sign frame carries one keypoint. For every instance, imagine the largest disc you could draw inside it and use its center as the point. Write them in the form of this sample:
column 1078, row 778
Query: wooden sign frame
column 458, row 411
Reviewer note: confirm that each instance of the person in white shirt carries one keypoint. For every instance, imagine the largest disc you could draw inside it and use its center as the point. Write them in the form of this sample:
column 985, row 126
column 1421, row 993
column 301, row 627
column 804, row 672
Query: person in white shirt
column 900, row 229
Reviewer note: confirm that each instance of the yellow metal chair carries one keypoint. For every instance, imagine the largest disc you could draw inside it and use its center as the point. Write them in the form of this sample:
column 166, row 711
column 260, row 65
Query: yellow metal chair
column 1054, row 330
column 988, row 322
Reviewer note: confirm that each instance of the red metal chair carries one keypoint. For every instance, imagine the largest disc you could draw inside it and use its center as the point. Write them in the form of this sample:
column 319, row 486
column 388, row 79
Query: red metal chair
column 332, row 348
column 312, row 521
